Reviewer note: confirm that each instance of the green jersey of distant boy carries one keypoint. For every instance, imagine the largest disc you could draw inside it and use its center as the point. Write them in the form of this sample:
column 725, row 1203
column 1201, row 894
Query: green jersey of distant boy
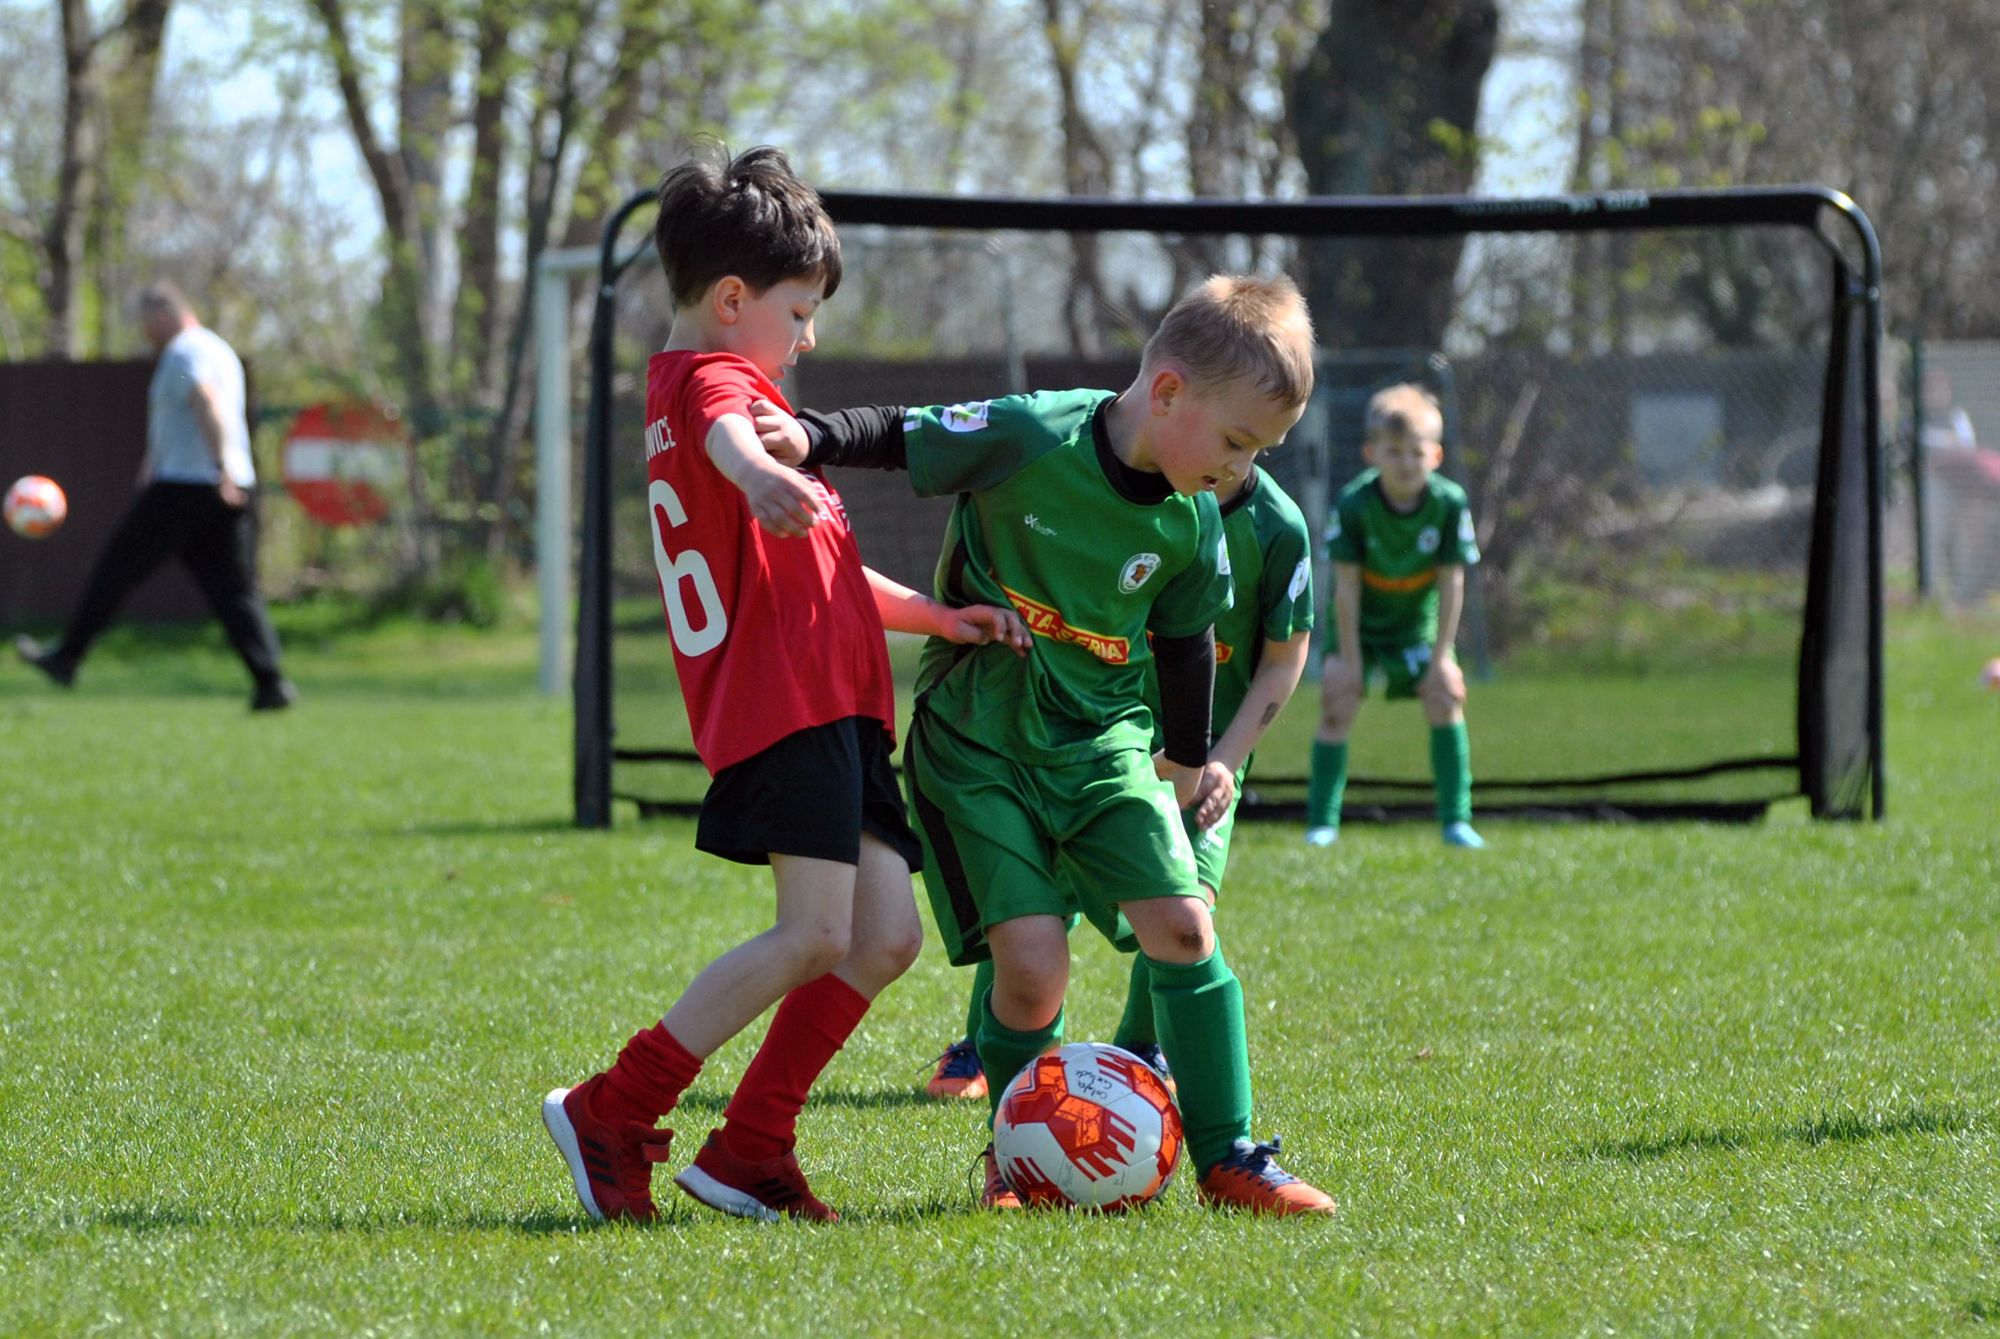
column 1399, row 554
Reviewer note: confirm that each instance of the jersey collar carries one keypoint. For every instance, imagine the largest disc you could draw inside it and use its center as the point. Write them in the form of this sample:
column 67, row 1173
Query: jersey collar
column 1138, row 486
column 1249, row 486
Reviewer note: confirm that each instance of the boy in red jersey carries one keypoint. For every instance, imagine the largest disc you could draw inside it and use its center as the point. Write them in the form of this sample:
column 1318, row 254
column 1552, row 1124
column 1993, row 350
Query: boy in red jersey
column 777, row 632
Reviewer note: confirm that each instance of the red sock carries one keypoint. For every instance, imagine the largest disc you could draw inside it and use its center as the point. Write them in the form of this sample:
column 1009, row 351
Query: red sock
column 652, row 1072
column 811, row 1024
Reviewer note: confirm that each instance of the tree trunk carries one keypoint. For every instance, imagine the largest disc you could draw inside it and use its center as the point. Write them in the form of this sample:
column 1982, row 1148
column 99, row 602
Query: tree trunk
column 1386, row 105
column 76, row 180
column 1086, row 171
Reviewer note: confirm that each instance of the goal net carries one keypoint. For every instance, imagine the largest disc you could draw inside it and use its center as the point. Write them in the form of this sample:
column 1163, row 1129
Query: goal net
column 1664, row 408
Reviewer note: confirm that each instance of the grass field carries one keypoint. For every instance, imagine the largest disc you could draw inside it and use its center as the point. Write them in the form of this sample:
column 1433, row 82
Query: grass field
column 279, row 998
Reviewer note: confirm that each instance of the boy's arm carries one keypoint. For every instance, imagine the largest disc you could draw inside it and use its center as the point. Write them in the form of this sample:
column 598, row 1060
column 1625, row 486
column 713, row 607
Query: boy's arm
column 1343, row 669
column 904, row 610
column 1278, row 671
column 1451, row 603
column 869, row 438
column 781, row 499
column 1186, row 670
column 1444, row 672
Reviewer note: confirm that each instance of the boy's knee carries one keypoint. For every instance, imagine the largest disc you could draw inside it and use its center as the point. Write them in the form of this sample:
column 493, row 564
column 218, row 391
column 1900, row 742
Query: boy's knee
column 1337, row 707
column 817, row 946
column 1176, row 929
column 897, row 952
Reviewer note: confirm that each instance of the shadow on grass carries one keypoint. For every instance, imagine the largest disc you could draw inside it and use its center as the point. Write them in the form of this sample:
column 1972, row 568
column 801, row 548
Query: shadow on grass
column 499, row 827
column 676, row 1211
column 848, row 1099
column 1825, row 1128
column 165, row 1218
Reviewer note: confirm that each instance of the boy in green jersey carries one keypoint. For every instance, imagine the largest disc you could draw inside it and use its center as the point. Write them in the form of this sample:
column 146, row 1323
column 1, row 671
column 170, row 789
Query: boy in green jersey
column 1033, row 780
column 1400, row 539
column 1261, row 646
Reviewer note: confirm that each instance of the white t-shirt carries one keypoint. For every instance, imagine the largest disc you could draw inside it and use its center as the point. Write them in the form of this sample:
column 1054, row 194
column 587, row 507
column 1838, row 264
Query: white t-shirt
column 176, row 452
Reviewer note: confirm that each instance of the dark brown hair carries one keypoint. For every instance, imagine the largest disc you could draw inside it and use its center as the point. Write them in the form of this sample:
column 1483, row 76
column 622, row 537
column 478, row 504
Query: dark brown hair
column 749, row 216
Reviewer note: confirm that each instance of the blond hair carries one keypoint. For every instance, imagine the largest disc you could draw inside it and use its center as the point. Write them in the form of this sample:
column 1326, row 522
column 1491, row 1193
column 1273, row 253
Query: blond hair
column 1237, row 327
column 1405, row 410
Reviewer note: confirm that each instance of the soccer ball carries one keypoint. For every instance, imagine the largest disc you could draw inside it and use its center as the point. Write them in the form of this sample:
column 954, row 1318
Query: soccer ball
column 35, row 506
column 1089, row 1126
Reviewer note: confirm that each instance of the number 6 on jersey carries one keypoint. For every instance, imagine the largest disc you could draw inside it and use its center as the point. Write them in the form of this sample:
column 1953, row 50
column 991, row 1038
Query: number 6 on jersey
column 690, row 567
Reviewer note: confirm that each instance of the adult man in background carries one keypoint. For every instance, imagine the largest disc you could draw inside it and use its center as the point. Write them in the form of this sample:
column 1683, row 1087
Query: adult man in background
column 194, row 500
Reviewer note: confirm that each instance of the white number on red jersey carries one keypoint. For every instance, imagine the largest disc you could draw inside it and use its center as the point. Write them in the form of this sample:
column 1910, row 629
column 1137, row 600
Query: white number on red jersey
column 687, row 569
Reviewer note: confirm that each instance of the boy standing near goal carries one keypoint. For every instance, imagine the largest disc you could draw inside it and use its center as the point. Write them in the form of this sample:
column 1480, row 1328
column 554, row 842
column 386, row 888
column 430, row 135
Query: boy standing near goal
column 1033, row 780
column 1261, row 646
column 777, row 632
column 1400, row 539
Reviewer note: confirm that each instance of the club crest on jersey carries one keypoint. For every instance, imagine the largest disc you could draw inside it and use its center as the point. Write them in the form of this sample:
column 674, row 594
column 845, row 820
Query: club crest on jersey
column 1138, row 568
column 965, row 417
column 1300, row 576
column 1427, row 539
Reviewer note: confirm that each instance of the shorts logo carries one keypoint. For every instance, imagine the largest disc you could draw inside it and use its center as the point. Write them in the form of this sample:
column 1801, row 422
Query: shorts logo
column 965, row 417
column 1034, row 523
column 1141, row 566
column 1301, row 575
column 1427, row 539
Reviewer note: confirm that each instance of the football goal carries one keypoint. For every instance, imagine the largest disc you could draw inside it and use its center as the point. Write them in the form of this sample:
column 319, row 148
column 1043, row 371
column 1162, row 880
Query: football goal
column 1664, row 406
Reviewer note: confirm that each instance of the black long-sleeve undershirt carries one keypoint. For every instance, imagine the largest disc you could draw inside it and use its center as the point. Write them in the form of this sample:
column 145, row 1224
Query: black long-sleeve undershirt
column 1186, row 666
column 866, row 438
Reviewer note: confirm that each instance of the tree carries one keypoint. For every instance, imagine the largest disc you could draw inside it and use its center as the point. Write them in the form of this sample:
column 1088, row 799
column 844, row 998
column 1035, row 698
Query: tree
column 1385, row 105
column 108, row 79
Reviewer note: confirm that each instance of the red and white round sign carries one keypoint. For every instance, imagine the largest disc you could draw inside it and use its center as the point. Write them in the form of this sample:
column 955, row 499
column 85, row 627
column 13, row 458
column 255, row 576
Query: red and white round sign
column 344, row 462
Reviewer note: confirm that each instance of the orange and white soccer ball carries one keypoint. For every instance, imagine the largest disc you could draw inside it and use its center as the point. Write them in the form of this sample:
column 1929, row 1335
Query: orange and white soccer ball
column 35, row 506
column 1089, row 1126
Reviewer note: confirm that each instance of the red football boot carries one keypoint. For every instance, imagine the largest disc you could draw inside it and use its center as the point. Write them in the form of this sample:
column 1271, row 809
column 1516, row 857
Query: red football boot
column 771, row 1189
column 610, row 1162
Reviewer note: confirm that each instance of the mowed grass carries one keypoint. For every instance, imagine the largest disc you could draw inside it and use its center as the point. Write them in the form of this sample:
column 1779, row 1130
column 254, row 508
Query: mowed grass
column 279, row 999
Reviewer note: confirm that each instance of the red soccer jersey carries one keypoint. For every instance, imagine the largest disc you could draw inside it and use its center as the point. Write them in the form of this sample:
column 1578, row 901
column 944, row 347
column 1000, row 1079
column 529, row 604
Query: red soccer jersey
column 771, row 635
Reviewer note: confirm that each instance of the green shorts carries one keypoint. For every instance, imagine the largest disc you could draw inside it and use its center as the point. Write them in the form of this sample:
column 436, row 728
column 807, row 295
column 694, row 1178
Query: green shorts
column 1211, row 848
column 1002, row 840
column 1400, row 665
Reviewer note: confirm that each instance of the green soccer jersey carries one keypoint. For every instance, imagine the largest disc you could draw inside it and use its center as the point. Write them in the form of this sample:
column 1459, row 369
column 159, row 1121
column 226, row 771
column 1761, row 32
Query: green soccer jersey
column 1271, row 568
column 1042, row 524
column 1399, row 554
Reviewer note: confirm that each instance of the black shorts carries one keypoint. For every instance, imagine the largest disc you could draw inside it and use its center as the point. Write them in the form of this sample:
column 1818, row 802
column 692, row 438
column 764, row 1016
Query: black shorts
column 813, row 793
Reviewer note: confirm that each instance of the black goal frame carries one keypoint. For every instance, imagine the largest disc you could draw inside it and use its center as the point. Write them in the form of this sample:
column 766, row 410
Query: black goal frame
column 1840, row 757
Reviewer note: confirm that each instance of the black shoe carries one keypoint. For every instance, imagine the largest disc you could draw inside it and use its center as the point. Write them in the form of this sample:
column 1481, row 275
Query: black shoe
column 274, row 696
column 45, row 659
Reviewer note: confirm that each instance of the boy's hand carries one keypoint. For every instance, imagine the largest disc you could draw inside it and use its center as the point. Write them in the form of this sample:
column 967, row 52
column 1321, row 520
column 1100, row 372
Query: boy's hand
column 781, row 434
column 1215, row 791
column 977, row 624
column 781, row 500
column 1444, row 682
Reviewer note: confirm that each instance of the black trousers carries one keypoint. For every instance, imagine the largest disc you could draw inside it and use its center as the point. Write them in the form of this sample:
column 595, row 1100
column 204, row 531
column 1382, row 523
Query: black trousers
column 218, row 543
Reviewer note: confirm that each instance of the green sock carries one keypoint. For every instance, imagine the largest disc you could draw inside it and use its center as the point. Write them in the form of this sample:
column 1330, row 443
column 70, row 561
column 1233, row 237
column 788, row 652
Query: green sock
column 1451, row 770
column 1136, row 1027
column 975, row 1008
column 1200, row 1012
column 1004, row 1051
column 1327, row 785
